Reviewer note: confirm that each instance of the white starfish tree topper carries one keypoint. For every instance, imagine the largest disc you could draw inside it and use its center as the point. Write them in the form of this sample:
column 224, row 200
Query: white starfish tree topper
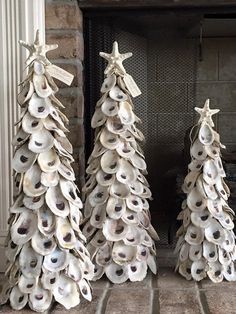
column 37, row 50
column 115, row 60
column 206, row 113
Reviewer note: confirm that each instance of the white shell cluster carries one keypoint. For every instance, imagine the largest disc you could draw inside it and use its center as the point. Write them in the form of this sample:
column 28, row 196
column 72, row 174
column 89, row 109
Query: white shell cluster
column 47, row 259
column 118, row 228
column 206, row 241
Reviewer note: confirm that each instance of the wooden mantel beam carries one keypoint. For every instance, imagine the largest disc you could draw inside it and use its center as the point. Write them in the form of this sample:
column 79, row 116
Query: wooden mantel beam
column 161, row 4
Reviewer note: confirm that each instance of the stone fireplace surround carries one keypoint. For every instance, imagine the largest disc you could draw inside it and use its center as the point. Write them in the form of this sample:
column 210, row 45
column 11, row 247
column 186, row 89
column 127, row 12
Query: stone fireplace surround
column 64, row 26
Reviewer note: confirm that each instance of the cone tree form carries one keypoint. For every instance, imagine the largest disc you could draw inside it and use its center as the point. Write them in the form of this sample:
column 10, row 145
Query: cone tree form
column 47, row 259
column 206, row 244
column 120, row 235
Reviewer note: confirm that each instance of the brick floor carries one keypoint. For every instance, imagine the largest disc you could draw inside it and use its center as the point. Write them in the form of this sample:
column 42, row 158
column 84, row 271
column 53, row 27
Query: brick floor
column 167, row 293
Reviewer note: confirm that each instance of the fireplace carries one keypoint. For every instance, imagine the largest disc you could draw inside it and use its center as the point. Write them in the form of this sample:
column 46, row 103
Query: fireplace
column 181, row 56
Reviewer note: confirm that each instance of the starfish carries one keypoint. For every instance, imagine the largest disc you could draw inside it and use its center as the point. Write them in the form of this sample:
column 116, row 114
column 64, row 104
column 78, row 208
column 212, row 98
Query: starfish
column 206, row 113
column 115, row 60
column 37, row 50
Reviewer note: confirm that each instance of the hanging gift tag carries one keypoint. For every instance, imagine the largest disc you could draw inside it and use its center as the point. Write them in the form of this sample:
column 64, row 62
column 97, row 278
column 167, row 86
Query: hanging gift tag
column 60, row 74
column 131, row 85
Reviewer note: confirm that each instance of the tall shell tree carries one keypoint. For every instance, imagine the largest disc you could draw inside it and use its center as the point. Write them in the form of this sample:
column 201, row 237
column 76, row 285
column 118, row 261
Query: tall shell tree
column 206, row 243
column 118, row 228
column 47, row 258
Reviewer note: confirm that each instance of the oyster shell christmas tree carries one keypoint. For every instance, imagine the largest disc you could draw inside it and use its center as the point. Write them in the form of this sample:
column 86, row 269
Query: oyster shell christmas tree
column 121, row 237
column 206, row 243
column 47, row 259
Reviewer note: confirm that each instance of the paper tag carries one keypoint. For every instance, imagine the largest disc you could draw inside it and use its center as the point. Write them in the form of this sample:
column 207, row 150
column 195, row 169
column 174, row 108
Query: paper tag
column 131, row 85
column 60, row 74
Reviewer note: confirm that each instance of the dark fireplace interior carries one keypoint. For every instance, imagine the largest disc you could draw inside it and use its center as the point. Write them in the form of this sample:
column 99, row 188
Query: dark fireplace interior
column 180, row 58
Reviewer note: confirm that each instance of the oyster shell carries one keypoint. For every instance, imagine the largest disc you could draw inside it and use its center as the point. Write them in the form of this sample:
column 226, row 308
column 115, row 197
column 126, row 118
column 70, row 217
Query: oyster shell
column 109, row 107
column 24, row 227
column 210, row 251
column 116, row 94
column 115, row 207
column 115, row 126
column 114, row 230
column 116, row 273
column 98, row 216
column 198, row 269
column 125, row 113
column 195, row 252
column 49, row 161
column 123, row 254
column 98, row 196
column 206, row 135
column 23, row 159
column 125, row 150
column 137, row 271
column 190, row 181
column 119, row 190
column 194, row 235
column 108, row 83
column 56, row 202
column 184, row 252
column 41, row 86
column 26, row 285
column 109, row 162
column 32, row 185
column 210, row 172
column 18, row 299
column 109, row 140
column 46, row 221
column 215, row 233
column 70, row 192
column 40, row 299
column 30, row 262
column 98, row 118
column 50, row 179
column 39, row 107
column 201, row 219
column 195, row 201
column 42, row 244
column 185, row 269
column 56, row 261
column 31, row 124
column 41, row 141
column 65, row 234
column 215, row 272
column 20, row 138
column 126, row 173
column 198, row 151
column 65, row 292
column 103, row 255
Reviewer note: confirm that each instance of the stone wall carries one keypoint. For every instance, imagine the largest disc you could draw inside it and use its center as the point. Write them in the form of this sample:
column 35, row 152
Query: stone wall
column 215, row 78
column 64, row 26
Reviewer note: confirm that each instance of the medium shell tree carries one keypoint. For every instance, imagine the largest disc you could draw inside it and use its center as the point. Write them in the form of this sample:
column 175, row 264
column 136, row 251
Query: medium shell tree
column 47, row 259
column 206, row 243
column 118, row 228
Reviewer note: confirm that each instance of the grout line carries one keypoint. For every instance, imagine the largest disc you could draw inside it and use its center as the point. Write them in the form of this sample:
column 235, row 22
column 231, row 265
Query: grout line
column 62, row 31
column 155, row 302
column 101, row 308
column 152, row 292
column 202, row 299
column 69, row 2
column 71, row 61
column 154, row 280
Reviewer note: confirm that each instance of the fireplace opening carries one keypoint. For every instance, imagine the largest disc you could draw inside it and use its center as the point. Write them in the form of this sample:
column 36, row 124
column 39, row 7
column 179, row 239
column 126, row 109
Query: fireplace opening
column 180, row 58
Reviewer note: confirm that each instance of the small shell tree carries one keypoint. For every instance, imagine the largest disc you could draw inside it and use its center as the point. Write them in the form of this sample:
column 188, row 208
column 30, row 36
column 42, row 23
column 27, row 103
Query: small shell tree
column 47, row 259
column 118, row 228
column 206, row 243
